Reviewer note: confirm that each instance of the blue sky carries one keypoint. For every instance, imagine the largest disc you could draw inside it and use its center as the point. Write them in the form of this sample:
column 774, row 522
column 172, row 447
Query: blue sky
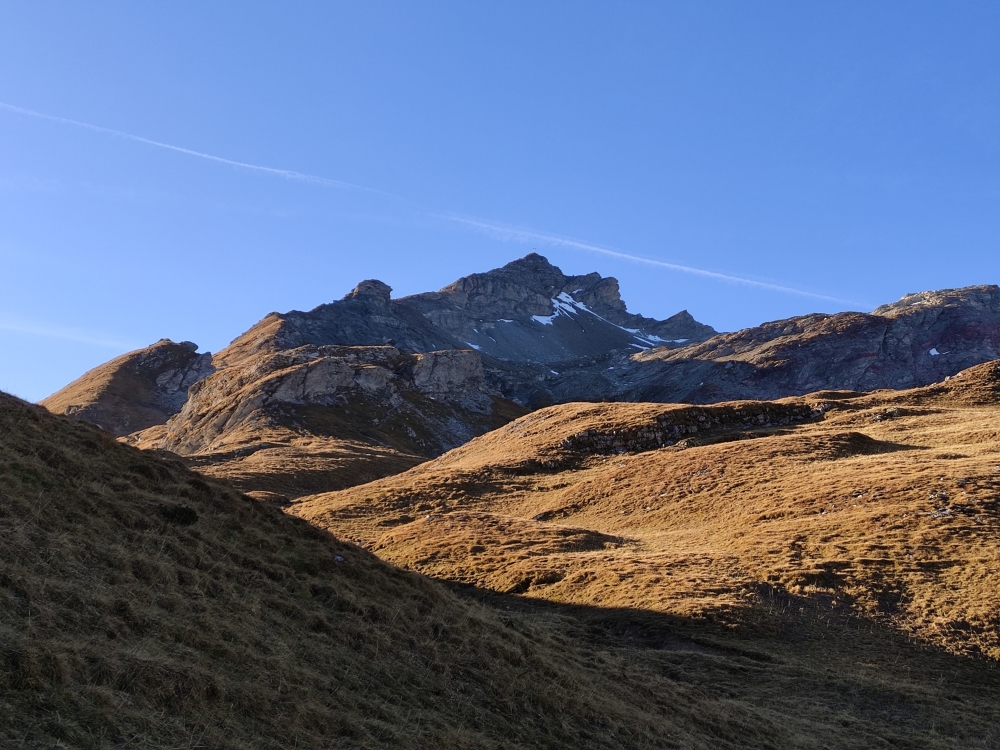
column 847, row 152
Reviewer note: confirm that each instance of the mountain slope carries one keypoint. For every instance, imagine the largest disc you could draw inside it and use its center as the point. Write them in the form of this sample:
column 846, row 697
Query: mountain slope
column 921, row 339
column 872, row 511
column 313, row 418
column 530, row 311
column 143, row 607
column 363, row 387
column 136, row 390
column 367, row 316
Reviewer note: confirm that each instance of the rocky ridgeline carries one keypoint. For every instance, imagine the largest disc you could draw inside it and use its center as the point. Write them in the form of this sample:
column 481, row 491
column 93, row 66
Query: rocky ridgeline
column 669, row 428
column 525, row 334
column 499, row 312
column 376, row 382
column 136, row 390
column 921, row 339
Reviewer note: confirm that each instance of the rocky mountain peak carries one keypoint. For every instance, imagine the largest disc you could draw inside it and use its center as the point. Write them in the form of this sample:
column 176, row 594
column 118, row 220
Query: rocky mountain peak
column 530, row 311
column 371, row 290
column 981, row 297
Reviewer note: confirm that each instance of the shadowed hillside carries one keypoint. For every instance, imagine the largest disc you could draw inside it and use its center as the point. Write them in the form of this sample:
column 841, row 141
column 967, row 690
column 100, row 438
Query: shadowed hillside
column 872, row 512
column 143, row 607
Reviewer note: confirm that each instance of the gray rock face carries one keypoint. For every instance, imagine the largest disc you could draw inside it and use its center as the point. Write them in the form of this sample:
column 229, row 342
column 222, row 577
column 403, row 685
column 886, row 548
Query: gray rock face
column 367, row 316
column 921, row 339
column 136, row 390
column 526, row 319
column 529, row 311
column 443, row 394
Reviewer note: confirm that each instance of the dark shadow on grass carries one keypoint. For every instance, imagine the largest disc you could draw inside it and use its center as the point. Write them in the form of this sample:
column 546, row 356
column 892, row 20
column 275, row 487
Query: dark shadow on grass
column 795, row 655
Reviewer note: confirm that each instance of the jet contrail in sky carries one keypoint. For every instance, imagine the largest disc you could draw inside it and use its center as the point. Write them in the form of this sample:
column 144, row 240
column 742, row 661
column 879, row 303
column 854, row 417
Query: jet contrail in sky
column 286, row 173
column 520, row 234
column 498, row 230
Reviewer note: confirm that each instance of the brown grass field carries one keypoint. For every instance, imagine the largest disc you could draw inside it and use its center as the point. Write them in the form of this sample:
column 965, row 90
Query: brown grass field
column 818, row 543
column 813, row 573
column 142, row 606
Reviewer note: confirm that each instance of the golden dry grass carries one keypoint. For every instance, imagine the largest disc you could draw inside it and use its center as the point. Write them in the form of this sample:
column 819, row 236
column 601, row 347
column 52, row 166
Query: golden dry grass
column 142, row 606
column 880, row 517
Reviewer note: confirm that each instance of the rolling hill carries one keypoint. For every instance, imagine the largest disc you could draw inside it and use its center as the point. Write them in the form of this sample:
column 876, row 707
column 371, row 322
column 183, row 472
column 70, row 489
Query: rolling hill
column 846, row 514
column 144, row 606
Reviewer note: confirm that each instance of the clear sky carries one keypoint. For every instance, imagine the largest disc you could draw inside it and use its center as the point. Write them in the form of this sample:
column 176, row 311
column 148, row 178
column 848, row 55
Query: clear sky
column 845, row 152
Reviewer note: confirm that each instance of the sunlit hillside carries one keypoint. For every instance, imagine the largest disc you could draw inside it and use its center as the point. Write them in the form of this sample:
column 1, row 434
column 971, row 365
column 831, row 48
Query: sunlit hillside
column 821, row 531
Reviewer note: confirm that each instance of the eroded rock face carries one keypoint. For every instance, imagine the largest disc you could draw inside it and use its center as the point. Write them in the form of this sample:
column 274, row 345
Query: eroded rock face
column 921, row 339
column 526, row 319
column 434, row 401
column 367, row 316
column 527, row 311
column 136, row 390
column 530, row 311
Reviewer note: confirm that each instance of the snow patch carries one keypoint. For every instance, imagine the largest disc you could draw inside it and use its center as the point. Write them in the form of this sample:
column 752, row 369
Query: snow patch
column 564, row 304
column 477, row 348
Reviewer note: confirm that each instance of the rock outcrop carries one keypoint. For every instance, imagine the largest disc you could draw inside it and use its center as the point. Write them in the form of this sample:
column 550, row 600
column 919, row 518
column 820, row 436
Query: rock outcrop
column 531, row 311
column 921, row 339
column 136, row 390
column 367, row 316
column 313, row 417
column 432, row 401
column 527, row 319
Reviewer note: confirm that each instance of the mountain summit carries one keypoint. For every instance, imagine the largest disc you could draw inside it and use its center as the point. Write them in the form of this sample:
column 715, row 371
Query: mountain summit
column 526, row 311
column 529, row 310
column 368, row 385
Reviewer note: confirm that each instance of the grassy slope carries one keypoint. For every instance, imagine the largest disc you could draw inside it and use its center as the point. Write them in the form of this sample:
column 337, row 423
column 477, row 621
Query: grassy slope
column 143, row 606
column 862, row 544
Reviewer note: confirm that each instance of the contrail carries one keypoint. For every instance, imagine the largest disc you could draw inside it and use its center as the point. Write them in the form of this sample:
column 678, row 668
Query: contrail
column 501, row 231
column 286, row 173
column 66, row 334
column 520, row 234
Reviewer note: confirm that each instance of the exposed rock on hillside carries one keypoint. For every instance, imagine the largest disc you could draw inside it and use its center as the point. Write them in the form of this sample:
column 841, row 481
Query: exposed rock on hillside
column 136, row 390
column 921, row 339
column 424, row 392
column 366, row 386
column 367, row 316
column 331, row 415
column 529, row 310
